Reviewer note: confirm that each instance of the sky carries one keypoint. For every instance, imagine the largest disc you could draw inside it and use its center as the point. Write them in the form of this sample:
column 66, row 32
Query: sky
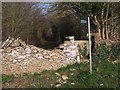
column 45, row 7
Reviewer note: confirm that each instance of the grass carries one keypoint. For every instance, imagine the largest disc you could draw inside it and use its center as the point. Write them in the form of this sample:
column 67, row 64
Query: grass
column 105, row 75
column 7, row 79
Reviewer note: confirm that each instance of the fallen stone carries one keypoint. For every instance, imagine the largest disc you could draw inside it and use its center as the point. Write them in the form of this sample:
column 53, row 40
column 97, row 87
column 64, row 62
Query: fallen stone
column 72, row 73
column 64, row 82
column 57, row 74
column 58, row 85
column 64, row 77
column 15, row 43
column 72, row 83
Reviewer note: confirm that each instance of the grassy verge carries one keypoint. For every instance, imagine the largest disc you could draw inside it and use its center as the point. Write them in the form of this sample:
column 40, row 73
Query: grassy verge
column 105, row 75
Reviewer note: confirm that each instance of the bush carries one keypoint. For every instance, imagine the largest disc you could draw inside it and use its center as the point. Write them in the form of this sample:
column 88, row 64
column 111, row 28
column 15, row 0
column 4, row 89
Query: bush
column 83, row 51
column 104, row 52
column 101, row 53
column 115, row 51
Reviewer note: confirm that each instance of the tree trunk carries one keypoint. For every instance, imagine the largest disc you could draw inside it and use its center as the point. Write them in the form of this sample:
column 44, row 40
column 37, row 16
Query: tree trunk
column 102, row 26
column 96, row 22
column 59, row 38
column 12, row 32
column 107, row 28
column 103, row 31
column 112, row 27
column 99, row 31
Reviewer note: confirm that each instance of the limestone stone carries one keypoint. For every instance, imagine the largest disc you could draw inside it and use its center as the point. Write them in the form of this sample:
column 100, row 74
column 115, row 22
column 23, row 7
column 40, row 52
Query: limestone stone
column 57, row 74
column 58, row 85
column 72, row 83
column 15, row 43
column 64, row 77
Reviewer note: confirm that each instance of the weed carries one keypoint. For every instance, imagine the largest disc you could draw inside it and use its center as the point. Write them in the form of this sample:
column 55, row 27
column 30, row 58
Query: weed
column 7, row 79
column 36, row 75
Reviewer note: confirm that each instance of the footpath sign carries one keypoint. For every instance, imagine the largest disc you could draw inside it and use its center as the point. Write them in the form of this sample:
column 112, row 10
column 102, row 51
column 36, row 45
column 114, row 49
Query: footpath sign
column 88, row 22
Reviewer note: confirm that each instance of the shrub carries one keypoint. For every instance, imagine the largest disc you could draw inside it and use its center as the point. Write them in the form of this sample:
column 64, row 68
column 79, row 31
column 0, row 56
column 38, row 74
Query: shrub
column 101, row 53
column 83, row 51
column 104, row 52
column 115, row 51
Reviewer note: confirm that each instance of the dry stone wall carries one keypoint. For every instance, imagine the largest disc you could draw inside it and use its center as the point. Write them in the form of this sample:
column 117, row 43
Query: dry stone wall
column 31, row 59
column 73, row 46
column 70, row 49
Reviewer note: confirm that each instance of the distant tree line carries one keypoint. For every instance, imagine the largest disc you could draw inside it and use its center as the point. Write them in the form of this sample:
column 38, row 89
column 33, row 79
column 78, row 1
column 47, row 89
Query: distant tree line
column 26, row 20
column 104, row 17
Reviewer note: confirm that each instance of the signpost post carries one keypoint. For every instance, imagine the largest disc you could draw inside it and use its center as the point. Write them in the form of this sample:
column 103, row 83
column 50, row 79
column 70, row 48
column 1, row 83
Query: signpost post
column 84, row 21
column 90, row 45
